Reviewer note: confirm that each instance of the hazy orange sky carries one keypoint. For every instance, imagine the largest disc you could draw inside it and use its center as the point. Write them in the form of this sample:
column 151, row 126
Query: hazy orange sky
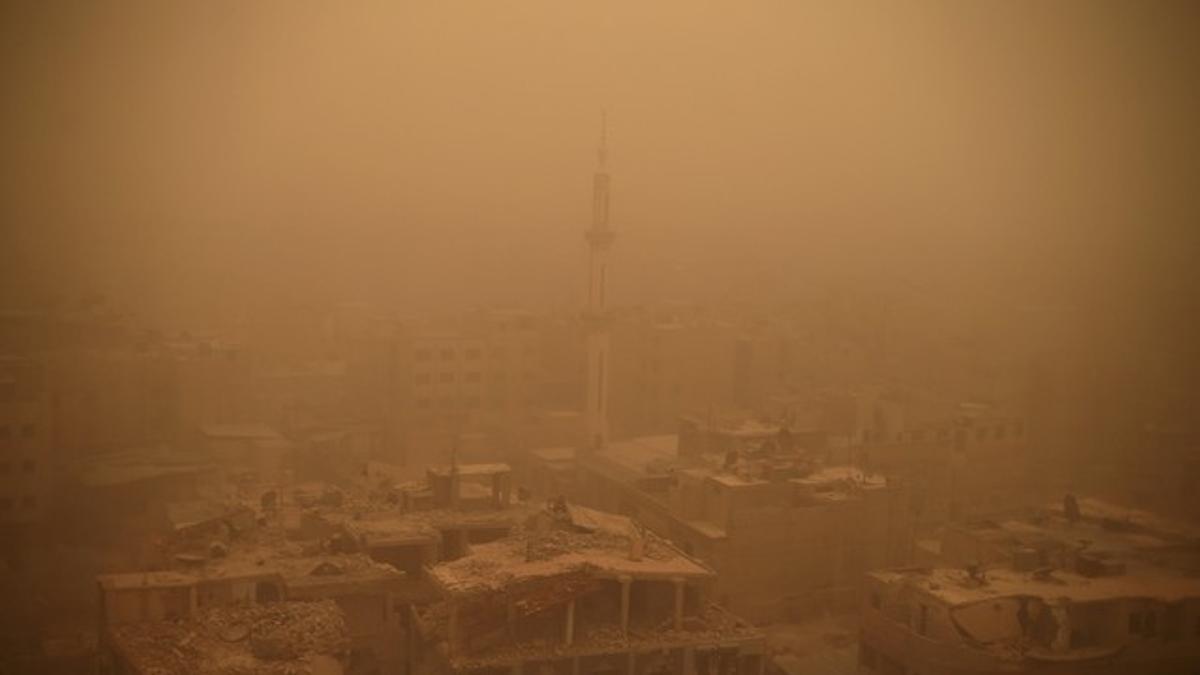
column 182, row 157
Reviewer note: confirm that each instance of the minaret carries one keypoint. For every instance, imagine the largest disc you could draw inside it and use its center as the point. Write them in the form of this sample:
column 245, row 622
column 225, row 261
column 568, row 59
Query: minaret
column 600, row 239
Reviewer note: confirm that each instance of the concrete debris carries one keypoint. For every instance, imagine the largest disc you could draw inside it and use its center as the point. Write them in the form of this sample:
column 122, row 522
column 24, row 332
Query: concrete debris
column 269, row 639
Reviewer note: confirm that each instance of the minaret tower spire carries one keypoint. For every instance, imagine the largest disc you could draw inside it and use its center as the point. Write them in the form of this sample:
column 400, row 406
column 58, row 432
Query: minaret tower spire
column 600, row 239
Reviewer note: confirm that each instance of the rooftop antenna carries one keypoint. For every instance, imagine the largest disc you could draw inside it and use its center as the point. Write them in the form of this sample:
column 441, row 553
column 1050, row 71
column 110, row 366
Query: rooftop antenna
column 602, row 151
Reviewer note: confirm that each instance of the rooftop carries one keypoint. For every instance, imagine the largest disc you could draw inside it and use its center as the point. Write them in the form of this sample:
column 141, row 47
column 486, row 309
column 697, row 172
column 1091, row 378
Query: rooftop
column 417, row 526
column 565, row 540
column 956, row 587
column 641, row 455
column 471, row 469
column 1102, row 529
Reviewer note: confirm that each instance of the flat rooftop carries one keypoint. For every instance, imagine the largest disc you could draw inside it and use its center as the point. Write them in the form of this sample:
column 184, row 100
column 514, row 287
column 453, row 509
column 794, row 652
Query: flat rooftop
column 640, row 456
column 955, row 587
column 1112, row 531
column 417, row 526
column 472, row 469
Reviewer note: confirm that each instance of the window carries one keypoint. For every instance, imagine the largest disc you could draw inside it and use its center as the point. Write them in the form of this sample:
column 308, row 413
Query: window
column 923, row 620
column 447, row 354
column 423, row 355
column 29, row 502
column 421, row 378
column 6, row 504
column 28, row 466
column 5, row 467
column 27, row 430
column 876, row 602
column 5, row 432
column 499, row 377
column 472, row 402
column 1135, row 623
column 1000, row 432
column 1150, row 624
column 981, row 434
column 423, row 403
column 1019, row 429
column 472, row 377
column 472, row 354
column 447, row 378
column 497, row 352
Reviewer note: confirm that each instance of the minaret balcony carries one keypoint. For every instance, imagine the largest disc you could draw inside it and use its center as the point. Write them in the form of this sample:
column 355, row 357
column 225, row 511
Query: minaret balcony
column 602, row 238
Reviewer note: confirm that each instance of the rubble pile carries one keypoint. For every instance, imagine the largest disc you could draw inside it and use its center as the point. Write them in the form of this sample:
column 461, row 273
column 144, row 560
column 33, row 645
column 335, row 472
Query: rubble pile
column 285, row 630
column 246, row 640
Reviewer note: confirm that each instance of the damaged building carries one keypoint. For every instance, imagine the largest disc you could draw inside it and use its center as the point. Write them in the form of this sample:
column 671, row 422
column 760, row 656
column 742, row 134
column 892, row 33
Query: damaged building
column 1085, row 589
column 578, row 591
column 288, row 638
column 364, row 593
column 789, row 532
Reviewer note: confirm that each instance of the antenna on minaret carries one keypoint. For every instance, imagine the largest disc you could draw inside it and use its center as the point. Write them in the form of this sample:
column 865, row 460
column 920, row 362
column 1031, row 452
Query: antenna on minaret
column 603, row 151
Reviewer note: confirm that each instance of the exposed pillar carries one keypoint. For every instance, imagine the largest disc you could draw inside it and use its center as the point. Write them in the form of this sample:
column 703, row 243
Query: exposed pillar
column 631, row 663
column 569, row 633
column 511, row 620
column 679, row 589
column 452, row 629
column 626, row 584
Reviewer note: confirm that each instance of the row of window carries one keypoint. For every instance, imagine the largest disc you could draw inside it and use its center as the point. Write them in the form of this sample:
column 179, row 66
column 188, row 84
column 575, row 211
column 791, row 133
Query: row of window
column 27, row 466
column 474, row 376
column 25, row 431
column 27, row 502
column 465, row 402
column 469, row 354
column 998, row 432
column 468, row 402
column 446, row 354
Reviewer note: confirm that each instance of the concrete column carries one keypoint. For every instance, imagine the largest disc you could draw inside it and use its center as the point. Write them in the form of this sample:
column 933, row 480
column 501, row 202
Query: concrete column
column 575, row 665
column 452, row 630
column 631, row 663
column 689, row 661
column 569, row 633
column 510, row 617
column 626, row 583
column 679, row 588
